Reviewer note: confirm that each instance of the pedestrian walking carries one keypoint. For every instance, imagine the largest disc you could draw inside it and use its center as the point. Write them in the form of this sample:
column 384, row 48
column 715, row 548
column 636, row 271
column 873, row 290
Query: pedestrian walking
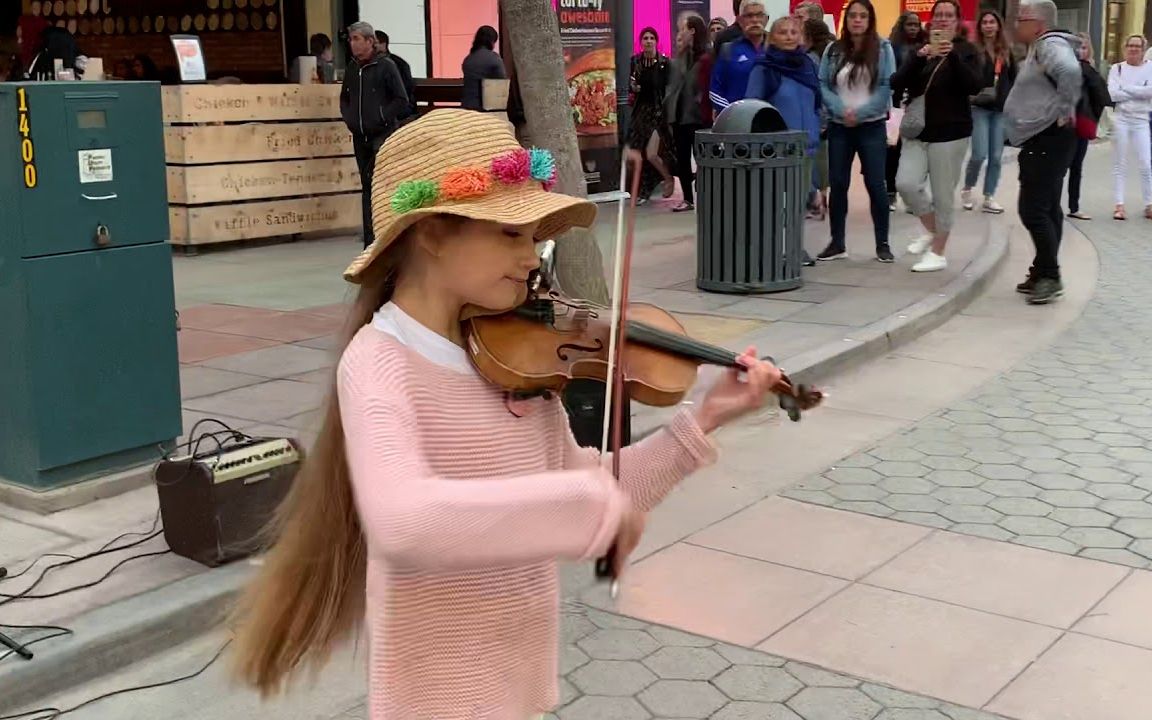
column 945, row 73
column 482, row 63
column 372, row 101
column 1039, row 119
column 855, row 75
column 649, row 132
column 1130, row 86
column 686, row 103
column 999, row 69
column 434, row 506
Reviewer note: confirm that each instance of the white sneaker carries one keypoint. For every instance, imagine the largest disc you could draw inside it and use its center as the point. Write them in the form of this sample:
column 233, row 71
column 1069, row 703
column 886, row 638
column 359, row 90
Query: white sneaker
column 931, row 262
column 966, row 199
column 920, row 244
column 991, row 206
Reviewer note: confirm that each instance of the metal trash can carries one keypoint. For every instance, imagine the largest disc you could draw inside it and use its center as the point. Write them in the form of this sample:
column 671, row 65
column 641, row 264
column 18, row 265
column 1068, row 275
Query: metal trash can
column 752, row 183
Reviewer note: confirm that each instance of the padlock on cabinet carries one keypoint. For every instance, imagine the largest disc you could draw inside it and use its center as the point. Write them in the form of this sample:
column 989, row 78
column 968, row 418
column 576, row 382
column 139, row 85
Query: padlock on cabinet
column 103, row 237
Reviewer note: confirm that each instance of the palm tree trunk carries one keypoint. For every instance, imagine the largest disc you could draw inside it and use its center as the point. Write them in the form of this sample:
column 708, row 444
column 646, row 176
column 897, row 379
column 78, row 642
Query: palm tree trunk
column 532, row 31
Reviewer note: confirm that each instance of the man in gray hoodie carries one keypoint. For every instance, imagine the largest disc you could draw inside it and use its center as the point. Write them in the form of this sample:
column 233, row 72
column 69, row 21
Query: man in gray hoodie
column 1039, row 116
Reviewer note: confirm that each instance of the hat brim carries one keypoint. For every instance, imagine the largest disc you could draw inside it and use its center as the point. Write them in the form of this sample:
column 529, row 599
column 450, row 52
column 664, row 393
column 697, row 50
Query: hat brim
column 556, row 214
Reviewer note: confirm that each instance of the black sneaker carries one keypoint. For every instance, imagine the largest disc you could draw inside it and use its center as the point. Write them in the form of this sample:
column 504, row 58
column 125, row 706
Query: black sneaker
column 1027, row 286
column 832, row 253
column 884, row 254
column 1045, row 291
column 807, row 260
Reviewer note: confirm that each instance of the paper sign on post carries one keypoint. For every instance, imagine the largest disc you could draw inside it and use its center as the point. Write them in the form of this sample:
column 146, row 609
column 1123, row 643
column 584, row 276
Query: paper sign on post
column 95, row 165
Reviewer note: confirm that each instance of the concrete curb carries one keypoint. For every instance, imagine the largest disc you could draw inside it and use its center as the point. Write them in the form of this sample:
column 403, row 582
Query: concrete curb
column 916, row 320
column 882, row 336
column 125, row 632
column 114, row 636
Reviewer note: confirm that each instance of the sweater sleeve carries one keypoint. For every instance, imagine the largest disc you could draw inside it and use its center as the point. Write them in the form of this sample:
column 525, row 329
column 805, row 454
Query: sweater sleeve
column 418, row 520
column 392, row 87
column 652, row 467
column 762, row 83
column 718, row 87
column 1056, row 56
column 703, row 81
column 1141, row 90
column 904, row 80
column 965, row 67
column 1117, row 91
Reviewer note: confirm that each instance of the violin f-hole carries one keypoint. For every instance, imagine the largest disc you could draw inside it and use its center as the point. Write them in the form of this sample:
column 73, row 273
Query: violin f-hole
column 582, row 348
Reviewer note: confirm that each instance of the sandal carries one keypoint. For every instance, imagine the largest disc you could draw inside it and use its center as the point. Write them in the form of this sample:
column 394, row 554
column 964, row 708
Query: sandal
column 1079, row 215
column 1148, row 212
column 1119, row 214
column 683, row 207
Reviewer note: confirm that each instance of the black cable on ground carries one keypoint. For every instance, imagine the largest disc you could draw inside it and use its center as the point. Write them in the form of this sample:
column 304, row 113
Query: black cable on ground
column 53, row 713
column 62, row 631
column 25, row 593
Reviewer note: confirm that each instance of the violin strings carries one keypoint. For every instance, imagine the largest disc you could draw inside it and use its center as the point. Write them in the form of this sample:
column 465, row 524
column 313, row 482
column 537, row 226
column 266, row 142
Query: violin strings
column 663, row 339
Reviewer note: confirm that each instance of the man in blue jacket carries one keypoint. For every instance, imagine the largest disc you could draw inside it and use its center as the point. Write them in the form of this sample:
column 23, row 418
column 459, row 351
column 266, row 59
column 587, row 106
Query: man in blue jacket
column 735, row 60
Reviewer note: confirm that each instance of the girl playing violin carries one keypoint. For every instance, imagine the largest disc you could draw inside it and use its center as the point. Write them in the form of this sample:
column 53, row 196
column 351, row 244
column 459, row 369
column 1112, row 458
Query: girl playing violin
column 431, row 507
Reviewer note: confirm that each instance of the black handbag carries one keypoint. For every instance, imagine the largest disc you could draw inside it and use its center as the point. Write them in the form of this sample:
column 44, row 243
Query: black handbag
column 986, row 98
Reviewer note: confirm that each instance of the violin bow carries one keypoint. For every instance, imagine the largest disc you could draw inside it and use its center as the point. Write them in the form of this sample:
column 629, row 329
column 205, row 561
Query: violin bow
column 614, row 405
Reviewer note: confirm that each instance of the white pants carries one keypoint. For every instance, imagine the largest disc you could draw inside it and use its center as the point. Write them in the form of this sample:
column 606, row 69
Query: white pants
column 1131, row 138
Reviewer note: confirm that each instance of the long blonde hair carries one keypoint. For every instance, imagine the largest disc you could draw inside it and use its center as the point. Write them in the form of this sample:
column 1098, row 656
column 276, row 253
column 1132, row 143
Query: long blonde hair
column 309, row 594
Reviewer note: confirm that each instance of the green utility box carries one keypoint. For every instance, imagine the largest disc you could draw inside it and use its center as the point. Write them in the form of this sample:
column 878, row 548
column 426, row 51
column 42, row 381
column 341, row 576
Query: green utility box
column 89, row 371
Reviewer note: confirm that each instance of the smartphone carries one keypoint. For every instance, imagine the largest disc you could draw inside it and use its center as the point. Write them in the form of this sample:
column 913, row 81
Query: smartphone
column 938, row 38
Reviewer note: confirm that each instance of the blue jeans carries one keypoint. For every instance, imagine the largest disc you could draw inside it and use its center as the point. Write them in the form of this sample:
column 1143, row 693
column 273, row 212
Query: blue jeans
column 870, row 142
column 987, row 144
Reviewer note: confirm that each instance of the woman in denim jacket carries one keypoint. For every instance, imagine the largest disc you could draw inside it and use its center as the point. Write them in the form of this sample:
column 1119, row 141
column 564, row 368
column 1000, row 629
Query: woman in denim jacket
column 854, row 85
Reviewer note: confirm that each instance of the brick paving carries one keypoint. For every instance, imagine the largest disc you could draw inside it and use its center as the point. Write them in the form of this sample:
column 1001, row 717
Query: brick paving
column 618, row 668
column 1054, row 454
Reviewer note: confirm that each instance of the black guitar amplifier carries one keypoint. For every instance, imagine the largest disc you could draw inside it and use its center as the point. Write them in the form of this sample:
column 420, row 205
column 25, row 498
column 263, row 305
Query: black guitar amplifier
column 584, row 401
column 216, row 506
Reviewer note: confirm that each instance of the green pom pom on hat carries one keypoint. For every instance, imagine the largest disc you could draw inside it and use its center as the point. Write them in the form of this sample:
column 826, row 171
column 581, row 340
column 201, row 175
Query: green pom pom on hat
column 414, row 194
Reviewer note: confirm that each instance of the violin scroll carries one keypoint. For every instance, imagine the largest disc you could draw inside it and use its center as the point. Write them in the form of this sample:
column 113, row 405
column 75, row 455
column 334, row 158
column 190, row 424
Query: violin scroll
column 794, row 399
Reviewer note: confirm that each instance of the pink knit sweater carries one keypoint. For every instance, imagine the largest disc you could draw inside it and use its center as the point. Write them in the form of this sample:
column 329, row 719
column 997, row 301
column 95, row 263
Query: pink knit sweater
column 466, row 509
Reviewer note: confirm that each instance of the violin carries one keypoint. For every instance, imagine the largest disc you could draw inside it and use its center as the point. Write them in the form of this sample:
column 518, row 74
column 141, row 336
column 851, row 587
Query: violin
column 551, row 339
column 638, row 350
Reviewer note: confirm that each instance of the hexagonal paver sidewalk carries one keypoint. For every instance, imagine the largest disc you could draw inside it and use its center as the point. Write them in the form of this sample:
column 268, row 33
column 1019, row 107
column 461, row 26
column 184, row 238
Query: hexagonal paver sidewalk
column 617, row 668
column 1053, row 454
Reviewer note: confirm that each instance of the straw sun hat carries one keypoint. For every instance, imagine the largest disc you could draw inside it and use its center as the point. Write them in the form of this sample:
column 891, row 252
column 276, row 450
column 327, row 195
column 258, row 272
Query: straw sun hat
column 465, row 163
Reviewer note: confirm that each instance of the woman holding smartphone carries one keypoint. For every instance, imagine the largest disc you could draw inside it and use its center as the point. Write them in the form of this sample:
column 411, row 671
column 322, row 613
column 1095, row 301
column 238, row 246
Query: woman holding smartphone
column 945, row 72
